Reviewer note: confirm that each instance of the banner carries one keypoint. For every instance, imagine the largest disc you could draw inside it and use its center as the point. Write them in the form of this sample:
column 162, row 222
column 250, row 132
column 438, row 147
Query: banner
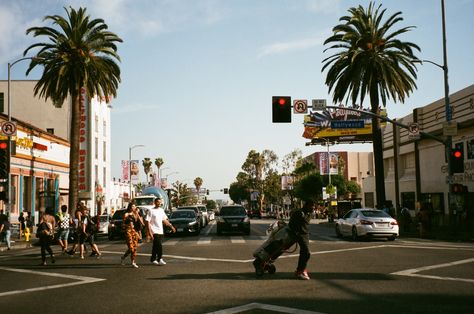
column 134, row 171
column 125, row 170
column 85, row 154
column 287, row 182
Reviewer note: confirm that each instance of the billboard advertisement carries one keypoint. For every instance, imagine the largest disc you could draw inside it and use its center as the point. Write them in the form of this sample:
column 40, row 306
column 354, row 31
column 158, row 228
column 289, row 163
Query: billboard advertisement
column 340, row 125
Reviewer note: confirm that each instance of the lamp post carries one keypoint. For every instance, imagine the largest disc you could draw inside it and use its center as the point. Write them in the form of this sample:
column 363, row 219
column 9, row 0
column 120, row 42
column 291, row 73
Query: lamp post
column 447, row 107
column 130, row 166
column 8, row 186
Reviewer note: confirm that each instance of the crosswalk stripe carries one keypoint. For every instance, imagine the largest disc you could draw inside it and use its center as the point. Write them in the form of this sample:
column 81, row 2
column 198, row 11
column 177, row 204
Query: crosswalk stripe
column 204, row 240
column 171, row 242
column 237, row 240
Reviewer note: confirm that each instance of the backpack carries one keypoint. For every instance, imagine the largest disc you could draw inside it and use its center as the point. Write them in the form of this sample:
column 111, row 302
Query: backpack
column 44, row 229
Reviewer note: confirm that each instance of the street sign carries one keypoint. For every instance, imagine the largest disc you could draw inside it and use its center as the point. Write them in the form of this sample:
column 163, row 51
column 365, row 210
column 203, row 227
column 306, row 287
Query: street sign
column 9, row 128
column 450, row 128
column 319, row 104
column 347, row 124
column 300, row 106
column 414, row 131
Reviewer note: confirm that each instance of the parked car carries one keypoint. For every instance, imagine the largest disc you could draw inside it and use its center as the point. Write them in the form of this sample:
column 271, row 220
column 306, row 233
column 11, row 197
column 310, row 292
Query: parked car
column 202, row 223
column 233, row 218
column 104, row 221
column 185, row 222
column 115, row 225
column 367, row 222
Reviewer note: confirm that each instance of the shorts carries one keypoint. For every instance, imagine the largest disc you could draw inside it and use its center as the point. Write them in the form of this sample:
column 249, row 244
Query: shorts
column 63, row 234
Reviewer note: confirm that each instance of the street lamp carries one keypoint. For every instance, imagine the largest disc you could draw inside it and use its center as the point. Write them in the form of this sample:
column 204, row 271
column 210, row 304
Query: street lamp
column 447, row 107
column 10, row 65
column 130, row 166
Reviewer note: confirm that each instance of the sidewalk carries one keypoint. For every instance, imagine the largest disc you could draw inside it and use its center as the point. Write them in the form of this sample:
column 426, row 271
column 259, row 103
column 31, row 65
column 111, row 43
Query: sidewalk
column 18, row 244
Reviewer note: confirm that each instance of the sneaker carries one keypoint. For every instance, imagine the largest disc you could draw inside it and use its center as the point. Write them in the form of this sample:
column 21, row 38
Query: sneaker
column 82, row 257
column 43, row 264
column 156, row 262
column 93, row 254
column 162, row 262
column 134, row 265
column 302, row 275
column 122, row 260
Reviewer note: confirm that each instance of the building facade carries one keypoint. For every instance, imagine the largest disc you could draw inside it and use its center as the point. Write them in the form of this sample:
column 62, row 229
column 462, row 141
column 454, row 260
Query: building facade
column 101, row 195
column 415, row 170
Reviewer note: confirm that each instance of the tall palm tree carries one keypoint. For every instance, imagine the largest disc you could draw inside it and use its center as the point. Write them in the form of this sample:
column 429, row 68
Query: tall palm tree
column 158, row 163
column 79, row 53
column 146, row 163
column 371, row 61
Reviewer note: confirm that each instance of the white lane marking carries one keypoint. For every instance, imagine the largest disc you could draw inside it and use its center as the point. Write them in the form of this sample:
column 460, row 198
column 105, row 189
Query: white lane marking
column 266, row 307
column 171, row 242
column 81, row 280
column 413, row 272
column 237, row 239
column 202, row 240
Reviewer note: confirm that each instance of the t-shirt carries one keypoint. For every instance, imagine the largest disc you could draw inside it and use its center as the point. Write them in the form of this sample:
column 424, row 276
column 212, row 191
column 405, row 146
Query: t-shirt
column 155, row 219
column 64, row 221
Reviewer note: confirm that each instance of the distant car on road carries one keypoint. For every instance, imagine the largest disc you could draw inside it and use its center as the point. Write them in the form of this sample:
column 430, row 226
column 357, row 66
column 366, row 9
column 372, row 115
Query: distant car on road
column 115, row 225
column 202, row 220
column 104, row 221
column 367, row 222
column 185, row 222
column 233, row 218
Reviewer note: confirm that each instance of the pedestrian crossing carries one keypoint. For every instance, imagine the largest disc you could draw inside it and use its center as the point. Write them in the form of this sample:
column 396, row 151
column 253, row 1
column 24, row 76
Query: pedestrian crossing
column 223, row 240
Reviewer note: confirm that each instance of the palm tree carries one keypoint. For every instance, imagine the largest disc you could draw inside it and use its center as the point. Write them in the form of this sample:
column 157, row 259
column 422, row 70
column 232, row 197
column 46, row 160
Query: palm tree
column 371, row 61
column 158, row 163
column 80, row 54
column 146, row 163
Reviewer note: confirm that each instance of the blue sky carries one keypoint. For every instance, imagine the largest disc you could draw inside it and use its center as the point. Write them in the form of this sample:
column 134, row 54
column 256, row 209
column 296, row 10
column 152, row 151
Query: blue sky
column 198, row 75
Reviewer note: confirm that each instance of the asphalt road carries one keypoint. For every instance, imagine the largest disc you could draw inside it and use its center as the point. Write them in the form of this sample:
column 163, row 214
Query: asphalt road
column 210, row 273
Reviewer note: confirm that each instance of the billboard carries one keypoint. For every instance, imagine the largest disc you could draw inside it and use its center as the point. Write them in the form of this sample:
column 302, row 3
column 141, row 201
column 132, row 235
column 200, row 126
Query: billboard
column 320, row 126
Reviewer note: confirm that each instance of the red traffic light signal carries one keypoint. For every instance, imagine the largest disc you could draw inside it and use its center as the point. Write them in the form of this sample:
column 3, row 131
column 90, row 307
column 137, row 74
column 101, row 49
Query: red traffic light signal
column 457, row 159
column 3, row 145
column 281, row 109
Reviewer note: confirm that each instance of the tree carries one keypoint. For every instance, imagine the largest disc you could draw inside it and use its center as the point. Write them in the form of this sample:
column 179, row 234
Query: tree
column 352, row 187
column 198, row 183
column 146, row 163
column 371, row 61
column 181, row 195
column 158, row 163
column 309, row 187
column 82, row 53
column 238, row 192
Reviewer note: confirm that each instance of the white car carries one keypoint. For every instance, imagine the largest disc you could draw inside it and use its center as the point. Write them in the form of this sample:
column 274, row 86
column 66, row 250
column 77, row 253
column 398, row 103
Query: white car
column 367, row 222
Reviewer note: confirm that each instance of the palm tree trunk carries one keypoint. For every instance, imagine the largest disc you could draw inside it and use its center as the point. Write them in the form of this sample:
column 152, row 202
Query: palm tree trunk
column 74, row 152
column 378, row 150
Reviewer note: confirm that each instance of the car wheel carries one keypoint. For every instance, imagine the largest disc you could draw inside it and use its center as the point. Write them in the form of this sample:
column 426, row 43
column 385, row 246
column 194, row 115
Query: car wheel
column 219, row 231
column 197, row 232
column 391, row 238
column 338, row 232
column 111, row 236
column 355, row 236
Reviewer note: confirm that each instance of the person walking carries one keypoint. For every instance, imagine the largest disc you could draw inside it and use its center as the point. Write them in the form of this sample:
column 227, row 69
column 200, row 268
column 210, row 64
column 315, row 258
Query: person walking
column 77, row 225
column 45, row 233
column 89, row 229
column 64, row 221
column 156, row 219
column 298, row 224
column 132, row 223
column 5, row 232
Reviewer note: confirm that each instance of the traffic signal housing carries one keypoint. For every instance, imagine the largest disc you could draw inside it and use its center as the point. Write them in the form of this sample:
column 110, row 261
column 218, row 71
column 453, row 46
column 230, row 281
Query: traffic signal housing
column 457, row 159
column 281, row 109
column 226, row 191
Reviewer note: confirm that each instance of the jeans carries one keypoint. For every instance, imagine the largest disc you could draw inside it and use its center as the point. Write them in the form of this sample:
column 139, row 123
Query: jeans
column 157, row 251
column 303, row 242
column 7, row 238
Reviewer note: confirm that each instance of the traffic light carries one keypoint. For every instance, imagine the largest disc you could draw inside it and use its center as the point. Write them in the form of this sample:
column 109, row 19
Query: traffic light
column 4, row 170
column 281, row 109
column 456, row 188
column 207, row 192
column 226, row 191
column 457, row 158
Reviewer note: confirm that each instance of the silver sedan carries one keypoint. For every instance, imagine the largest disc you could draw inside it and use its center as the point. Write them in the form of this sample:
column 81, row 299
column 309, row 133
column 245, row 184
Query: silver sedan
column 367, row 222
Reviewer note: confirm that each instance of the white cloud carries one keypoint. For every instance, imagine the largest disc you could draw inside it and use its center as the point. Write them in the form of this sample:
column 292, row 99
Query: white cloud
column 291, row 46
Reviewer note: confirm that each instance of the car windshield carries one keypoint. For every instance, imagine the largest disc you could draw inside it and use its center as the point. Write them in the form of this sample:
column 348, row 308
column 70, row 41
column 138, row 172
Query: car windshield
column 187, row 208
column 232, row 211
column 118, row 214
column 144, row 201
column 375, row 214
column 183, row 214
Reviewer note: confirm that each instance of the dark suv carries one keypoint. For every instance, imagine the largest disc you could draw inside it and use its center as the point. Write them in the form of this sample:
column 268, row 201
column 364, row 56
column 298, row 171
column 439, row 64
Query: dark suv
column 115, row 224
column 233, row 218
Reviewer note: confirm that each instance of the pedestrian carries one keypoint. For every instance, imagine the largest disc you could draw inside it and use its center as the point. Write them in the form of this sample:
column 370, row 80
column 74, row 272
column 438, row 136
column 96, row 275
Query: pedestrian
column 405, row 219
column 21, row 220
column 156, row 219
column 5, row 232
column 298, row 224
column 132, row 224
column 45, row 233
column 77, row 225
column 424, row 217
column 89, row 229
column 29, row 226
column 64, row 221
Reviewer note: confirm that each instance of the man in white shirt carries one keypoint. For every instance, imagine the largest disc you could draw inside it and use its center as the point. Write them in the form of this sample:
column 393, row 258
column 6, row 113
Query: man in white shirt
column 156, row 219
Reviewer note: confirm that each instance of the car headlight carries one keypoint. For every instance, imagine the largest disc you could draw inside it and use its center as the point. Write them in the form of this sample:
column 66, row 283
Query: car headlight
column 192, row 223
column 220, row 219
column 246, row 219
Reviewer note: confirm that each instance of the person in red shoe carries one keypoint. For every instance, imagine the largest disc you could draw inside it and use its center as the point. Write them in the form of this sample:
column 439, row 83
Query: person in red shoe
column 299, row 221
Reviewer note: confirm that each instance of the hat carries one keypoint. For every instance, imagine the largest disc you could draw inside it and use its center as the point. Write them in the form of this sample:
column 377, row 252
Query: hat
column 159, row 197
